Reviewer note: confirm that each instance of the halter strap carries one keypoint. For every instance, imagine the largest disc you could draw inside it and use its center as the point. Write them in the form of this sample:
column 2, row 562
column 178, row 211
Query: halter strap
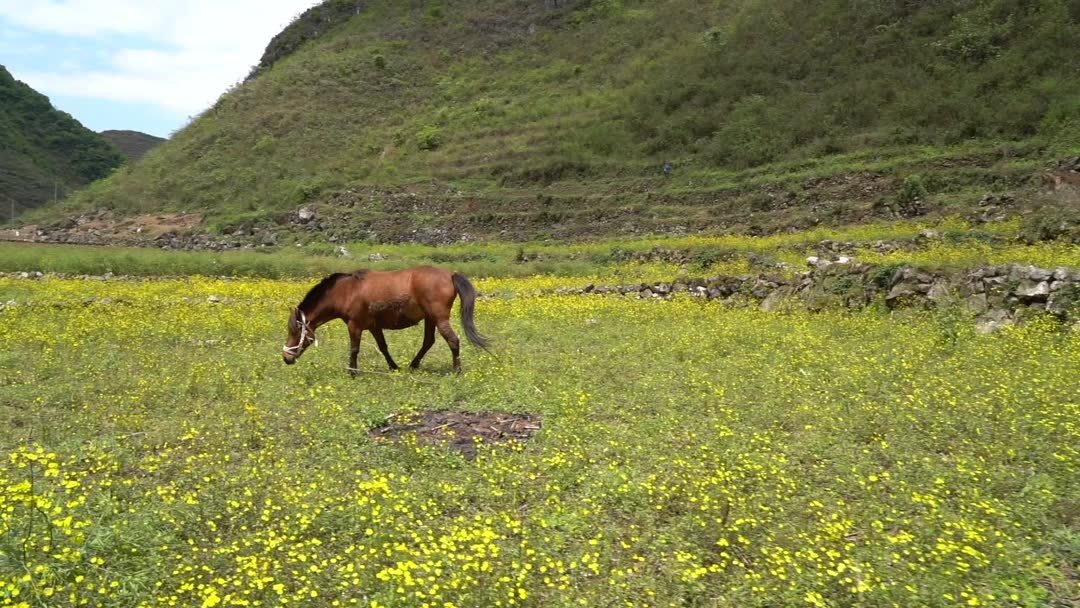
column 304, row 330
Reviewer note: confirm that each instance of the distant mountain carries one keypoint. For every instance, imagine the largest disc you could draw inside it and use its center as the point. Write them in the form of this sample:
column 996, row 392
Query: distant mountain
column 133, row 144
column 44, row 152
column 557, row 118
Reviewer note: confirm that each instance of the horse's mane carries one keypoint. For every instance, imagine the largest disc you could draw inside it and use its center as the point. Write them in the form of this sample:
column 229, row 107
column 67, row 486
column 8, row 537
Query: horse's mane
column 318, row 292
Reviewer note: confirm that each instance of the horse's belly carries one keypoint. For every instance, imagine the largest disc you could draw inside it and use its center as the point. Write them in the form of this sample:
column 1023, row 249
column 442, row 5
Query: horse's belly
column 400, row 322
column 396, row 314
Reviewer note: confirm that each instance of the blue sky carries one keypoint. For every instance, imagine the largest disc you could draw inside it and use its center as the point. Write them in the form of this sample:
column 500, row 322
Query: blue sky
column 147, row 65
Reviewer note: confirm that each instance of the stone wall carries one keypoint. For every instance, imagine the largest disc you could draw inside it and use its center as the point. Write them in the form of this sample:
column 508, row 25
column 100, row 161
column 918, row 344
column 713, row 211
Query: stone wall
column 996, row 295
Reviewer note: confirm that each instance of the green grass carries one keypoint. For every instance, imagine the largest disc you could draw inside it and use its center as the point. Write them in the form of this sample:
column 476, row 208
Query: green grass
column 157, row 451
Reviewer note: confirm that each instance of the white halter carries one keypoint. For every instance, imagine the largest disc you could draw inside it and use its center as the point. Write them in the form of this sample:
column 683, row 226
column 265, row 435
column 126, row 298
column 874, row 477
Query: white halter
column 304, row 330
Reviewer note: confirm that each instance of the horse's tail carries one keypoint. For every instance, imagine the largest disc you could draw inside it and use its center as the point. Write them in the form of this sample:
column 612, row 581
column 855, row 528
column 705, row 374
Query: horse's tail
column 467, row 293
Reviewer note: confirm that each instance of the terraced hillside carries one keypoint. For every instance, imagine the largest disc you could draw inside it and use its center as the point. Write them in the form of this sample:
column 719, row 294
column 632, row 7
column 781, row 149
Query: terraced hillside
column 526, row 119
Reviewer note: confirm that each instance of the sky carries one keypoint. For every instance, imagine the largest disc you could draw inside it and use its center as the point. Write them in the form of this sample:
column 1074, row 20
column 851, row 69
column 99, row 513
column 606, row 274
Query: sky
column 146, row 65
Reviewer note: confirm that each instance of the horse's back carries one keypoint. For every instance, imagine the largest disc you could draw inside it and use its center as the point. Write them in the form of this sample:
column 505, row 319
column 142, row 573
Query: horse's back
column 423, row 288
column 419, row 279
column 431, row 285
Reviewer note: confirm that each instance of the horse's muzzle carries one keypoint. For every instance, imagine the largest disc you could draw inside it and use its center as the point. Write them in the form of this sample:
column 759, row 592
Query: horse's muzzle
column 289, row 359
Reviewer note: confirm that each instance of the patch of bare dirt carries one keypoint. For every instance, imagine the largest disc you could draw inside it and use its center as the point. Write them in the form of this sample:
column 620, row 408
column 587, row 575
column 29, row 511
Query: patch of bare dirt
column 103, row 228
column 26, row 233
column 460, row 431
column 149, row 225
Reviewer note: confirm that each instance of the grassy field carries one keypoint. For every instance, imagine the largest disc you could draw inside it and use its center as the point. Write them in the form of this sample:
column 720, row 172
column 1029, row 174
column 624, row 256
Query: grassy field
column 157, row 452
column 958, row 244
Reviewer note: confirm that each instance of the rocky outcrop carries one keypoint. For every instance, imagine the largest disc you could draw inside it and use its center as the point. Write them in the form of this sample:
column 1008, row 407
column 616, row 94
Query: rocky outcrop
column 996, row 295
column 310, row 24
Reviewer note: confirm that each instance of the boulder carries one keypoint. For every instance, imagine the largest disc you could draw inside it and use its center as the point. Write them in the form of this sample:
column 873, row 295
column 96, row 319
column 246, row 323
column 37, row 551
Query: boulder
column 912, row 276
column 939, row 291
column 978, row 303
column 903, row 289
column 775, row 299
column 1033, row 290
column 1034, row 273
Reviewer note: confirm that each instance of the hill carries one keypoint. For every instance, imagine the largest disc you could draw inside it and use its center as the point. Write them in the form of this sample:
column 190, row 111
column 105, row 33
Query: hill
column 526, row 119
column 44, row 151
column 132, row 144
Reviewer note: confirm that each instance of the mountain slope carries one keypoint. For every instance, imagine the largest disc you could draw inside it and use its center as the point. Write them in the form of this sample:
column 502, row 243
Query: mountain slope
column 132, row 144
column 44, row 151
column 499, row 117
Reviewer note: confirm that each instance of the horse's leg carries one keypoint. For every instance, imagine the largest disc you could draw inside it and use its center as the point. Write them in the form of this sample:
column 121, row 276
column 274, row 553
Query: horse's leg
column 429, row 339
column 355, row 331
column 451, row 339
column 380, row 339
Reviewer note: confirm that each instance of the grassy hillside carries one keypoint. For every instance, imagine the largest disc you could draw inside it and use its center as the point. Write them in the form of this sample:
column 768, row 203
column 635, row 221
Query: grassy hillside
column 44, row 150
column 132, row 144
column 553, row 118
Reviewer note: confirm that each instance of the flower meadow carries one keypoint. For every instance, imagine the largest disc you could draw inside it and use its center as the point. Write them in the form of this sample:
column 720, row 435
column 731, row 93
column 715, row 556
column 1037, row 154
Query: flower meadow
column 155, row 451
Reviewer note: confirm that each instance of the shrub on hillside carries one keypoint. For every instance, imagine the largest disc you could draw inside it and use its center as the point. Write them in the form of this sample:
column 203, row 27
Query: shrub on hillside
column 429, row 137
column 750, row 136
column 1051, row 224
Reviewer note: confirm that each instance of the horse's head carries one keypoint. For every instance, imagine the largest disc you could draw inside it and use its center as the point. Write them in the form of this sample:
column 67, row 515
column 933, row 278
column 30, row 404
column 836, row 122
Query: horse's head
column 301, row 336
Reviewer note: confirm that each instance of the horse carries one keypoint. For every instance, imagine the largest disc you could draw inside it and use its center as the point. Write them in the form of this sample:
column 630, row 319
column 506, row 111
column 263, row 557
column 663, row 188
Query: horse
column 376, row 300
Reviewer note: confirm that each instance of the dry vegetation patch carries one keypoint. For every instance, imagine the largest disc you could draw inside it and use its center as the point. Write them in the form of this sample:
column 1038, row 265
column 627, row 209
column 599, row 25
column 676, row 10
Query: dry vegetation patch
column 460, row 431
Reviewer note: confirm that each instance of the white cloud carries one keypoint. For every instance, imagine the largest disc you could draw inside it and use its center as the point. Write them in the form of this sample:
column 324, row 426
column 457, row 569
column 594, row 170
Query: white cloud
column 85, row 17
column 177, row 55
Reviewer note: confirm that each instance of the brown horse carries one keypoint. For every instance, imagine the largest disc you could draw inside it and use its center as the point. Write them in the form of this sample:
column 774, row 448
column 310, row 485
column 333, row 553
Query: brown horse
column 374, row 301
